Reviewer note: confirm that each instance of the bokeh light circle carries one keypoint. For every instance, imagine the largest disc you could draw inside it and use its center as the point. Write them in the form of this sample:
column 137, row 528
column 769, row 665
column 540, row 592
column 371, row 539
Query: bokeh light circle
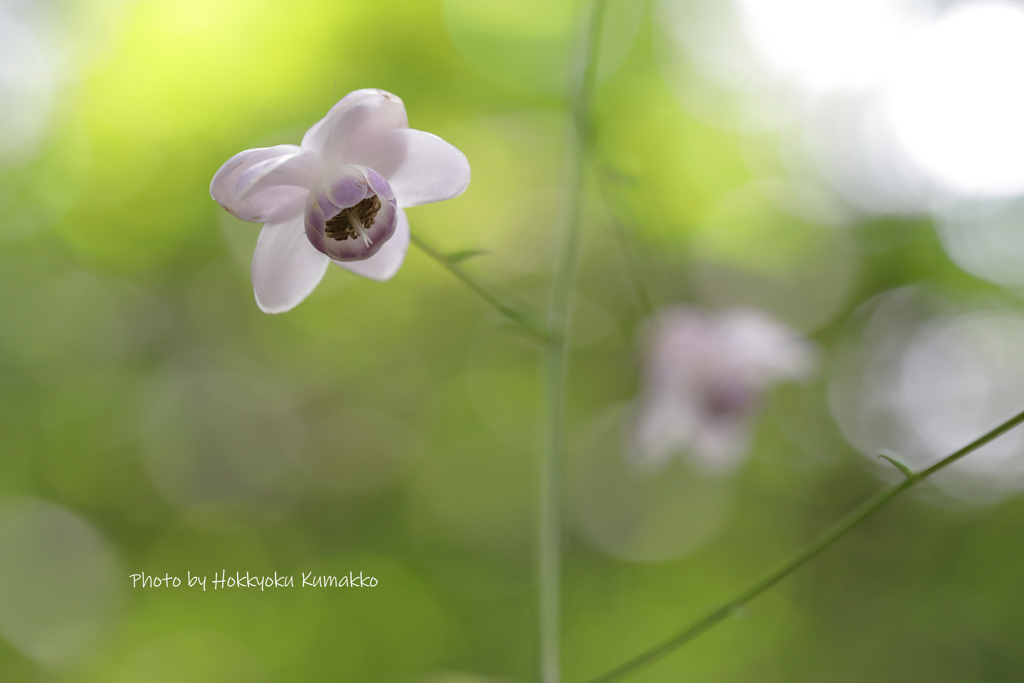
column 919, row 377
column 59, row 582
column 956, row 99
column 225, row 446
column 641, row 516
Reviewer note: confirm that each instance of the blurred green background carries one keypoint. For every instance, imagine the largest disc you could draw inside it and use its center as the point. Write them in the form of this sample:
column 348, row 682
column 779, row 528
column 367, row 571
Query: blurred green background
column 153, row 420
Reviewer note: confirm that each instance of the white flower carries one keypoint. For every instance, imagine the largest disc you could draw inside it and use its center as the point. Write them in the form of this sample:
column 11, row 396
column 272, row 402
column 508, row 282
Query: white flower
column 704, row 374
column 337, row 197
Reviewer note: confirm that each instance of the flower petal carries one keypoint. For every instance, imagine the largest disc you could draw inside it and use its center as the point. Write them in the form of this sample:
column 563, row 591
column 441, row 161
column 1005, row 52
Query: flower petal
column 268, row 193
column 764, row 349
column 359, row 116
column 301, row 169
column 421, row 167
column 285, row 266
column 385, row 263
column 662, row 425
column 720, row 445
column 341, row 191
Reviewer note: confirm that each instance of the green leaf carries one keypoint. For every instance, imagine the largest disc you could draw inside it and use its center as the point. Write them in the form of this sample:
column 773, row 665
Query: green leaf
column 907, row 472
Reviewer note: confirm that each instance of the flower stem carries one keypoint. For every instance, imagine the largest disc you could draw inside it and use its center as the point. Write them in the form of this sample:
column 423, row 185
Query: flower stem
column 800, row 557
column 555, row 361
column 523, row 318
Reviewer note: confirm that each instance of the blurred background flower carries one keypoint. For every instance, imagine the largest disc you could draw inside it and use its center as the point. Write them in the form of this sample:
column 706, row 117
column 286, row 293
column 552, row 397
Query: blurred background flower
column 853, row 169
column 703, row 377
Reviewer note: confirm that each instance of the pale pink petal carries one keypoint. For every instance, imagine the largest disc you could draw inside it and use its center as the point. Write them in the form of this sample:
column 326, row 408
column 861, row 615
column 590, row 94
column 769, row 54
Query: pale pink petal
column 676, row 343
column 301, row 169
column 720, row 446
column 421, row 167
column 261, row 200
column 762, row 348
column 385, row 263
column 358, row 118
column 285, row 266
column 662, row 426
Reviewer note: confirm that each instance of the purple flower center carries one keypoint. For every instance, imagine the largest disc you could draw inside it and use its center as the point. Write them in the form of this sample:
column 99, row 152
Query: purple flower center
column 351, row 223
column 723, row 399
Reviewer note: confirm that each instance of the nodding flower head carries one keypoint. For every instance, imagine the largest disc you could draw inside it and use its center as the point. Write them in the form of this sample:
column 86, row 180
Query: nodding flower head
column 704, row 375
column 338, row 197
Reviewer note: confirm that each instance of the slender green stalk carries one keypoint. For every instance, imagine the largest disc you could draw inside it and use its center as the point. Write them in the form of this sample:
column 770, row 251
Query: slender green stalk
column 550, row 518
column 519, row 316
column 803, row 555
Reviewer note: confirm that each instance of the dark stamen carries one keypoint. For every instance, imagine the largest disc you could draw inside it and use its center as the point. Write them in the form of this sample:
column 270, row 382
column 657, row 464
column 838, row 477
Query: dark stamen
column 340, row 227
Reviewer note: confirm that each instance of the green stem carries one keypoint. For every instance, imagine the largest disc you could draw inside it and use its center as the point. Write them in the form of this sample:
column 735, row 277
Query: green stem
column 520, row 317
column 550, row 518
column 802, row 556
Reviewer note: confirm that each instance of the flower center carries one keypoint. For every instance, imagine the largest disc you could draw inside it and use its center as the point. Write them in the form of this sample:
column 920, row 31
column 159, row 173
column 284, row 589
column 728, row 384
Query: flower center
column 351, row 223
column 725, row 399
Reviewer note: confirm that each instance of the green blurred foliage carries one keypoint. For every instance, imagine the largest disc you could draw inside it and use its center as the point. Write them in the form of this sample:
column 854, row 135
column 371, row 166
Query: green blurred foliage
column 392, row 429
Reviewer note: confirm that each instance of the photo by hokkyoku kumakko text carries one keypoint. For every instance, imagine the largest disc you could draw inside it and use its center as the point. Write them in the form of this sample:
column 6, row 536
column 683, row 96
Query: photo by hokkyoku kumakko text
column 668, row 340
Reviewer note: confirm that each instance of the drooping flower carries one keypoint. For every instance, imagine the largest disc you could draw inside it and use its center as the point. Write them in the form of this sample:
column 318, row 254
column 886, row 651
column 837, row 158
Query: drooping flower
column 338, row 196
column 704, row 375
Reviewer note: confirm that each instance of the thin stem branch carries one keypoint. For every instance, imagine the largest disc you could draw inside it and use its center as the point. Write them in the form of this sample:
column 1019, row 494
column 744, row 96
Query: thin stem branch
column 634, row 269
column 636, row 266
column 519, row 316
column 802, row 556
column 555, row 362
column 651, row 281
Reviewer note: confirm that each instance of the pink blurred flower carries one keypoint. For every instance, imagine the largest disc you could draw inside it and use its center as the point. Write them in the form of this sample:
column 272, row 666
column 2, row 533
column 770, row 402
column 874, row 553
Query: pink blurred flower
column 337, row 197
column 704, row 375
